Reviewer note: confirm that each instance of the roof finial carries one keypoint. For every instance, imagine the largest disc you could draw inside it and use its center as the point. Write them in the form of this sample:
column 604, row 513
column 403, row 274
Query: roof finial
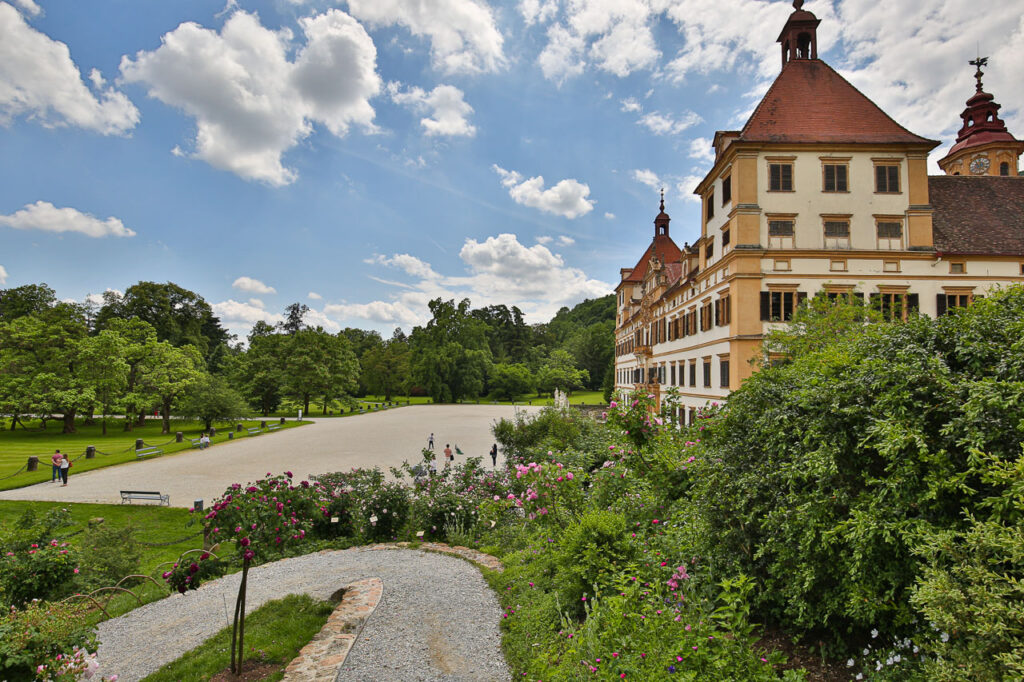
column 979, row 62
column 797, row 4
column 662, row 206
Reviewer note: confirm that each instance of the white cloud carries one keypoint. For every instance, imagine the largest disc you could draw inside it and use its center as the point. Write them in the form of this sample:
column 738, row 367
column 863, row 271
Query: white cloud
column 449, row 112
column 665, row 124
column 235, row 314
column 97, row 299
column 566, row 241
column 317, row 318
column 686, row 185
column 39, row 80
column 544, row 239
column 562, row 57
column 631, row 105
column 411, row 265
column 44, row 216
column 390, row 313
column 252, row 104
column 648, row 177
column 252, row 286
column 464, row 37
column 609, row 216
column 682, row 184
column 29, row 7
column 257, row 302
column 567, row 198
column 3, row 275
column 702, row 149
column 538, row 11
column 314, row 296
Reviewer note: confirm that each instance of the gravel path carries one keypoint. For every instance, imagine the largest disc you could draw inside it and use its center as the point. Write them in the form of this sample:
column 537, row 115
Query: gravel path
column 381, row 439
column 438, row 620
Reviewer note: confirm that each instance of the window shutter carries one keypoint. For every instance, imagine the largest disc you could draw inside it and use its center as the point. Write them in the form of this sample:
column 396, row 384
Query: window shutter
column 766, row 306
column 801, row 296
column 718, row 313
column 940, row 305
column 913, row 303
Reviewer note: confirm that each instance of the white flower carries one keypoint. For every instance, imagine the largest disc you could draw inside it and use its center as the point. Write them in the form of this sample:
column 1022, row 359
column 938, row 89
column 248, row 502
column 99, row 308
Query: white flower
column 944, row 637
column 859, row 676
column 897, row 658
column 874, row 633
column 866, row 651
column 849, row 663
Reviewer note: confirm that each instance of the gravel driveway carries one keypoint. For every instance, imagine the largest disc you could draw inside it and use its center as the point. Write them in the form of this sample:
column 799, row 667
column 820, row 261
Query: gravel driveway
column 381, row 439
column 437, row 620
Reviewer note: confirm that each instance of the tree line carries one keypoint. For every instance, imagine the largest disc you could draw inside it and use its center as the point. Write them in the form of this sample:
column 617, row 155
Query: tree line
column 159, row 348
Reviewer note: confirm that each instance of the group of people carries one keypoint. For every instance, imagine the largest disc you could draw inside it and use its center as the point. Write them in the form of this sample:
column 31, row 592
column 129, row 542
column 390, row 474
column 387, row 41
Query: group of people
column 449, row 458
column 61, row 464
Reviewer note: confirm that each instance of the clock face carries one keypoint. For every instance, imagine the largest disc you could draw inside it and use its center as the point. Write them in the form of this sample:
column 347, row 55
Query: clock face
column 979, row 165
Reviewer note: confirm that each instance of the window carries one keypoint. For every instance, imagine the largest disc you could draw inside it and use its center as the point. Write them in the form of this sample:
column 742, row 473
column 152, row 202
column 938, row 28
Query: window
column 723, row 372
column 709, row 250
column 890, row 234
column 779, row 305
column 845, row 295
column 693, row 373
column 837, row 233
column 1004, row 168
column 673, row 374
column 723, row 311
column 711, row 204
column 957, row 268
column 705, row 317
column 725, row 239
column 780, row 233
column 780, row 177
column 887, row 178
column 946, row 302
column 895, row 305
column 707, row 372
column 693, row 416
column 835, row 176
column 726, row 190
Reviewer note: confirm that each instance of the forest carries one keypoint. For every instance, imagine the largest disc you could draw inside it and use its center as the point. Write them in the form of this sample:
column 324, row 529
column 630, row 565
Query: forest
column 158, row 349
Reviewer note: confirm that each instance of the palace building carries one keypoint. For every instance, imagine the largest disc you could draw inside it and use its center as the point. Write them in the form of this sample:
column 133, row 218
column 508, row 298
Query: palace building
column 821, row 191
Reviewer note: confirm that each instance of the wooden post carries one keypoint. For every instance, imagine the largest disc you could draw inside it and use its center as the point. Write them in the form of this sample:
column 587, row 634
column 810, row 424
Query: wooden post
column 282, row 421
column 33, row 464
column 139, row 444
column 238, row 428
column 90, row 452
column 263, row 424
column 179, row 437
column 231, row 435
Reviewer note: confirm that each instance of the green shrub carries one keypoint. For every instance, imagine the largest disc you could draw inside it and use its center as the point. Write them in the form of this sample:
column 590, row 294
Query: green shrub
column 591, row 554
column 108, row 554
column 39, row 632
column 42, row 571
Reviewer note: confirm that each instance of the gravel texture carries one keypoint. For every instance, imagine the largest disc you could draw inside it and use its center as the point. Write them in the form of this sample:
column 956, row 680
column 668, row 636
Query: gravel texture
column 438, row 619
column 383, row 439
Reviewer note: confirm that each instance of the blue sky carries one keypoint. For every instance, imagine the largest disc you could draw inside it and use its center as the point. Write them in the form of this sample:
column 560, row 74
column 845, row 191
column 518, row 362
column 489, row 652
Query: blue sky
column 365, row 156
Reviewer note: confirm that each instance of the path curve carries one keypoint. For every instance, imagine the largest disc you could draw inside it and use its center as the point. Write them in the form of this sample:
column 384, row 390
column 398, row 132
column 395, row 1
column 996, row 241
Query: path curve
column 383, row 439
column 438, row 619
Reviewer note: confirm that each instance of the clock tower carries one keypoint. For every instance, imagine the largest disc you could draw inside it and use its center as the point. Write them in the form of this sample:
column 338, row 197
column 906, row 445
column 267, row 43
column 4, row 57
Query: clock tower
column 983, row 146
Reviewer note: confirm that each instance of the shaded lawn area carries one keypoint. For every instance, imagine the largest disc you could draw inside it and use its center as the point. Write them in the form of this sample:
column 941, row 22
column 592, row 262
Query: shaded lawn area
column 369, row 402
column 117, row 447
column 274, row 634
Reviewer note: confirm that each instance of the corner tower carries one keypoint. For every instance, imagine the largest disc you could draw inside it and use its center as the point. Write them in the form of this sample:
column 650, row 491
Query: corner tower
column 983, row 146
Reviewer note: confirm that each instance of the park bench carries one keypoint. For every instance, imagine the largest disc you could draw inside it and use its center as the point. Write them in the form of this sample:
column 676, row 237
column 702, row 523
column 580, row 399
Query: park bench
column 254, row 431
column 273, row 427
column 148, row 451
column 194, row 441
column 129, row 495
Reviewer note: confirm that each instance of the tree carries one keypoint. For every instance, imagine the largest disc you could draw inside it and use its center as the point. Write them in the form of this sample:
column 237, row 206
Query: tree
column 560, row 372
column 259, row 372
column 363, row 344
column 386, row 367
column 173, row 372
column 293, row 316
column 450, row 356
column 178, row 316
column 593, row 347
column 140, row 341
column 211, row 399
column 102, row 364
column 318, row 364
column 510, row 381
column 25, row 300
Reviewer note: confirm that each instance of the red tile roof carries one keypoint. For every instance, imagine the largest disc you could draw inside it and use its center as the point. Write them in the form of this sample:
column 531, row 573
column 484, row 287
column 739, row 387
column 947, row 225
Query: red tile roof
column 809, row 102
column 978, row 215
column 663, row 247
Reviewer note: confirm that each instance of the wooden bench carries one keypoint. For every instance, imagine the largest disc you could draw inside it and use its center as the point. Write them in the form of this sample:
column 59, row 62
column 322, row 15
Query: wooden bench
column 194, row 441
column 148, row 451
column 155, row 496
column 254, row 431
column 273, row 427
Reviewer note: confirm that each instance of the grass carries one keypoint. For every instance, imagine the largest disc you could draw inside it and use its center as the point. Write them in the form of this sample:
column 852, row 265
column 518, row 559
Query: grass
column 153, row 525
column 117, row 447
column 274, row 634
column 368, row 402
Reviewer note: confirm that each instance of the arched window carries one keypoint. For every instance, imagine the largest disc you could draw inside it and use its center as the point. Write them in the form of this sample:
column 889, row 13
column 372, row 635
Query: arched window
column 803, row 46
column 1004, row 168
column 970, row 122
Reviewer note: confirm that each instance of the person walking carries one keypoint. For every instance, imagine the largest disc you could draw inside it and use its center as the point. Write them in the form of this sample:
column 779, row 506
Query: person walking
column 56, row 459
column 494, row 455
column 65, row 464
column 430, row 442
column 447, row 455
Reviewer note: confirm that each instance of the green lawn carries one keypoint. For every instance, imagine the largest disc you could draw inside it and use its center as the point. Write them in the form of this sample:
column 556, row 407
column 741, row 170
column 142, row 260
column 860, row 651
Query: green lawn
column 274, row 634
column 117, row 447
column 154, row 527
column 372, row 402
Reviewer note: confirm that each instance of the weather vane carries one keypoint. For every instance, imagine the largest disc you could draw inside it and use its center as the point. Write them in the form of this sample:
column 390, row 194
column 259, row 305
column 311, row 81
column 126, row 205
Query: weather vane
column 979, row 62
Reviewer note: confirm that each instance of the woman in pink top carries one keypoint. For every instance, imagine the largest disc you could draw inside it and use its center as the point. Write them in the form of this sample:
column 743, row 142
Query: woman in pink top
column 56, row 459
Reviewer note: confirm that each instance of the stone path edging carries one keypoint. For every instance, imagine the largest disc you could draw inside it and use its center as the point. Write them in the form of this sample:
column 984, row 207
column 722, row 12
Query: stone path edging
column 326, row 652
